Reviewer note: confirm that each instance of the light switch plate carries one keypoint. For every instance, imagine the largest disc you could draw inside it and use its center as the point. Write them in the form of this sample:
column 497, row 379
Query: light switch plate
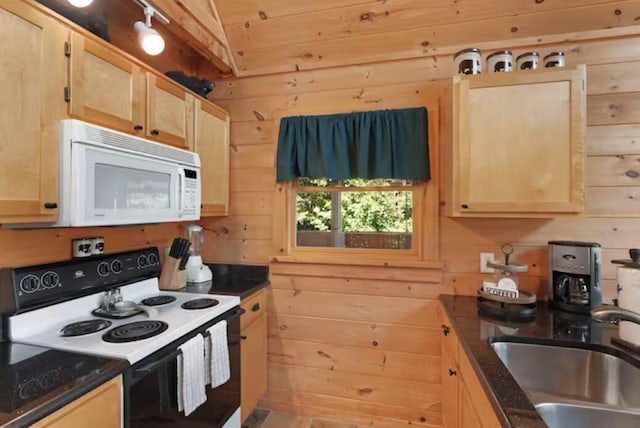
column 484, row 258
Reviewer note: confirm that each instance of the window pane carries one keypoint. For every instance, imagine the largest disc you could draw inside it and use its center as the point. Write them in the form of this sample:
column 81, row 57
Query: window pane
column 355, row 219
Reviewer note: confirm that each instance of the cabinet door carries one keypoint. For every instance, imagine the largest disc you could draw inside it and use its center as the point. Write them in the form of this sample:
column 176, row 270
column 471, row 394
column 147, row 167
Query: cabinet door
column 100, row 408
column 169, row 112
column 450, row 387
column 33, row 78
column 212, row 144
column 106, row 88
column 519, row 142
column 468, row 415
column 253, row 367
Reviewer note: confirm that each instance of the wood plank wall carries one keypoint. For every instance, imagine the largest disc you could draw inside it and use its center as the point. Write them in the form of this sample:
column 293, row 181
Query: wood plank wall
column 363, row 344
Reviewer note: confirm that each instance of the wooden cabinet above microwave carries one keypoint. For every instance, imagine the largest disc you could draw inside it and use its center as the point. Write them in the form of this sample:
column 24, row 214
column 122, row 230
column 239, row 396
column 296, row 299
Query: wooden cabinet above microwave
column 108, row 89
column 517, row 146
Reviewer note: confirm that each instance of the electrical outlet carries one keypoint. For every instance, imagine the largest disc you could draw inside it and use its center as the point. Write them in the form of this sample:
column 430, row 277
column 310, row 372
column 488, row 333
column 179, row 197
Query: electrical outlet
column 484, row 258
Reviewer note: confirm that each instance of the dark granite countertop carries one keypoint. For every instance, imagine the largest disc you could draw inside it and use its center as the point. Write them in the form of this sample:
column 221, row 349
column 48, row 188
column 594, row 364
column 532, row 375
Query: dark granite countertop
column 236, row 280
column 37, row 381
column 475, row 332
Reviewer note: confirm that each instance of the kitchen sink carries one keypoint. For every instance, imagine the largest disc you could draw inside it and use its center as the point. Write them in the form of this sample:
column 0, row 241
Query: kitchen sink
column 572, row 415
column 575, row 387
column 572, row 375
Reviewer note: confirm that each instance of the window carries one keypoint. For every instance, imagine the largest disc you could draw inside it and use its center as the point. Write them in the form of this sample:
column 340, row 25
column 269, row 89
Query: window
column 344, row 218
column 355, row 213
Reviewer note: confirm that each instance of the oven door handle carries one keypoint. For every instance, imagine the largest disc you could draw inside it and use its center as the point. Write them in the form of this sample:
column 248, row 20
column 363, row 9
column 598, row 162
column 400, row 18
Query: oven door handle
column 237, row 313
column 144, row 370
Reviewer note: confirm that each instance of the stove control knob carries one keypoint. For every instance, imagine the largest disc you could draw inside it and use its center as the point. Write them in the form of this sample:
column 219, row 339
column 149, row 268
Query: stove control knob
column 116, row 266
column 30, row 283
column 142, row 261
column 103, row 269
column 50, row 279
column 153, row 259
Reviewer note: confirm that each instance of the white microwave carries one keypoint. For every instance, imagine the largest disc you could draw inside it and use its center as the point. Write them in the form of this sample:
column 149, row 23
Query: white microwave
column 111, row 178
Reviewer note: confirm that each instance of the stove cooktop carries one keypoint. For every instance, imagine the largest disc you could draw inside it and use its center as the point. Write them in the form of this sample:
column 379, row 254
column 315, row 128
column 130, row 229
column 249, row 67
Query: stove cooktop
column 29, row 327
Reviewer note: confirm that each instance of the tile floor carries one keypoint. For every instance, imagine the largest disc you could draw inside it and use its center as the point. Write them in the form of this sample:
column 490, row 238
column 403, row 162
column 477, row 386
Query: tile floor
column 260, row 418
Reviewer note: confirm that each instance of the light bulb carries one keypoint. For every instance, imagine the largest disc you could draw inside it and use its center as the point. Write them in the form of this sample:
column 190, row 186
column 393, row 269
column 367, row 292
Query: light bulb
column 150, row 40
column 80, row 3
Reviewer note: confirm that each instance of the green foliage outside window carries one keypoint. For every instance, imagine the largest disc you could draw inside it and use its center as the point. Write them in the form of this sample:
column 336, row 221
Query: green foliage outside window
column 362, row 211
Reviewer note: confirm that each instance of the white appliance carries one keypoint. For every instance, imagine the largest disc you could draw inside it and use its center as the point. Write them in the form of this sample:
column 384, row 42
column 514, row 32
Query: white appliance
column 67, row 306
column 629, row 298
column 29, row 328
column 197, row 272
column 111, row 178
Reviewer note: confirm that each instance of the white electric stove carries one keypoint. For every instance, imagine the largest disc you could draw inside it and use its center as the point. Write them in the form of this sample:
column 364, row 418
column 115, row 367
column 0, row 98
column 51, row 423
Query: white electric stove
column 62, row 306
column 171, row 317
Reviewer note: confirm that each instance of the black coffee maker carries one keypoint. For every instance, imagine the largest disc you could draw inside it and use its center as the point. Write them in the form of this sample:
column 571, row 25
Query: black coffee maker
column 575, row 275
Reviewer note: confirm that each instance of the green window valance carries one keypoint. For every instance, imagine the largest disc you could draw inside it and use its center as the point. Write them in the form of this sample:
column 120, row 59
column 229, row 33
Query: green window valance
column 368, row 145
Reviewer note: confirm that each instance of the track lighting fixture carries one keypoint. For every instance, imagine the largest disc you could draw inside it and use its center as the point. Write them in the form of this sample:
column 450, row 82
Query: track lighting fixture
column 150, row 40
column 80, row 3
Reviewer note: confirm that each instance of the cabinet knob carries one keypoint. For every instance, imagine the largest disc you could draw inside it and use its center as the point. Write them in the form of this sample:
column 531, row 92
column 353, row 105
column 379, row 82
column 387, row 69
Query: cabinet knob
column 155, row 132
column 50, row 205
column 453, row 372
column 465, row 206
column 256, row 307
column 243, row 337
column 138, row 127
column 445, row 330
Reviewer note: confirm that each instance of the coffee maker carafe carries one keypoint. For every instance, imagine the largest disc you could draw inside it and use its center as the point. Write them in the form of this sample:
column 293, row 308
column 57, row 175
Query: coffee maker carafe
column 575, row 275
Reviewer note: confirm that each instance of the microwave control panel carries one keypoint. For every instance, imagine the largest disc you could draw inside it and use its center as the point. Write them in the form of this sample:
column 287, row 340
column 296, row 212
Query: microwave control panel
column 190, row 197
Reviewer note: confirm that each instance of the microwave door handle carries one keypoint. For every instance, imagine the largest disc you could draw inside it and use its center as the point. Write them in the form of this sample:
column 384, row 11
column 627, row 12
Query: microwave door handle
column 181, row 185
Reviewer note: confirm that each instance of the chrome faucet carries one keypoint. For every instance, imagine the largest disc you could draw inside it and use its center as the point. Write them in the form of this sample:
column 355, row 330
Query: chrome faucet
column 614, row 313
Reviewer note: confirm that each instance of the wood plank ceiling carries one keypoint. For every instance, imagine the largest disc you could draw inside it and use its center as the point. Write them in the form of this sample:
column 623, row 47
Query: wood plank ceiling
column 284, row 35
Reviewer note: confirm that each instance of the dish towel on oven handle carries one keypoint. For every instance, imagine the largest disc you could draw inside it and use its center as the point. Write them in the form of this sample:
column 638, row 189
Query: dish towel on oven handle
column 216, row 355
column 191, row 372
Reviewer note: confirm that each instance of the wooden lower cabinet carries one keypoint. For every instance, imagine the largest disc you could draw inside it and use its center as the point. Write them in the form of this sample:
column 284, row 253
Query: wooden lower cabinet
column 464, row 402
column 99, row 408
column 253, row 351
column 468, row 416
column 450, row 388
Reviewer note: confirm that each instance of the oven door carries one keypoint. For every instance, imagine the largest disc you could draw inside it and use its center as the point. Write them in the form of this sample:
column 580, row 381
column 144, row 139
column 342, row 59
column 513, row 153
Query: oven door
column 110, row 187
column 151, row 386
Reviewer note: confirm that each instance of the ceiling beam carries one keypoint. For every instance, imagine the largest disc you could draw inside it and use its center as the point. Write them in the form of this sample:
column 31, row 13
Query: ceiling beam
column 196, row 23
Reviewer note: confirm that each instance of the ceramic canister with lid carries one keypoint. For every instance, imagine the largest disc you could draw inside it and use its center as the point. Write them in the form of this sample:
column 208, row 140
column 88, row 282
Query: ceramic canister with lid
column 500, row 61
column 469, row 61
column 527, row 61
column 554, row 59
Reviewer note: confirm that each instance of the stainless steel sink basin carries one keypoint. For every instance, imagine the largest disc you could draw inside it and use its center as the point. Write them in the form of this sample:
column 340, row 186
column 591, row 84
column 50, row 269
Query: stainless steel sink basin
column 576, row 416
column 570, row 375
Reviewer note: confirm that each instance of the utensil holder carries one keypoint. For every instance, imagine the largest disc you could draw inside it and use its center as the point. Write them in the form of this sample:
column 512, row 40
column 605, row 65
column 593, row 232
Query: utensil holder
column 170, row 277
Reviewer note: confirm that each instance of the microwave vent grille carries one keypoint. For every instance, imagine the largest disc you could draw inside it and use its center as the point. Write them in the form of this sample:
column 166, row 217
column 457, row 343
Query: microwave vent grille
column 135, row 144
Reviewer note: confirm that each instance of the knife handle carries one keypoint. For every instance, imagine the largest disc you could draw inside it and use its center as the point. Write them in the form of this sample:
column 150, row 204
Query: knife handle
column 183, row 261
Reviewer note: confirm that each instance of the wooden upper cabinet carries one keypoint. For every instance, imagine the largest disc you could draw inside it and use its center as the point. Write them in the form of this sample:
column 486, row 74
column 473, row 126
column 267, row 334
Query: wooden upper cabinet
column 33, row 76
column 212, row 144
column 106, row 88
column 518, row 144
column 169, row 113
